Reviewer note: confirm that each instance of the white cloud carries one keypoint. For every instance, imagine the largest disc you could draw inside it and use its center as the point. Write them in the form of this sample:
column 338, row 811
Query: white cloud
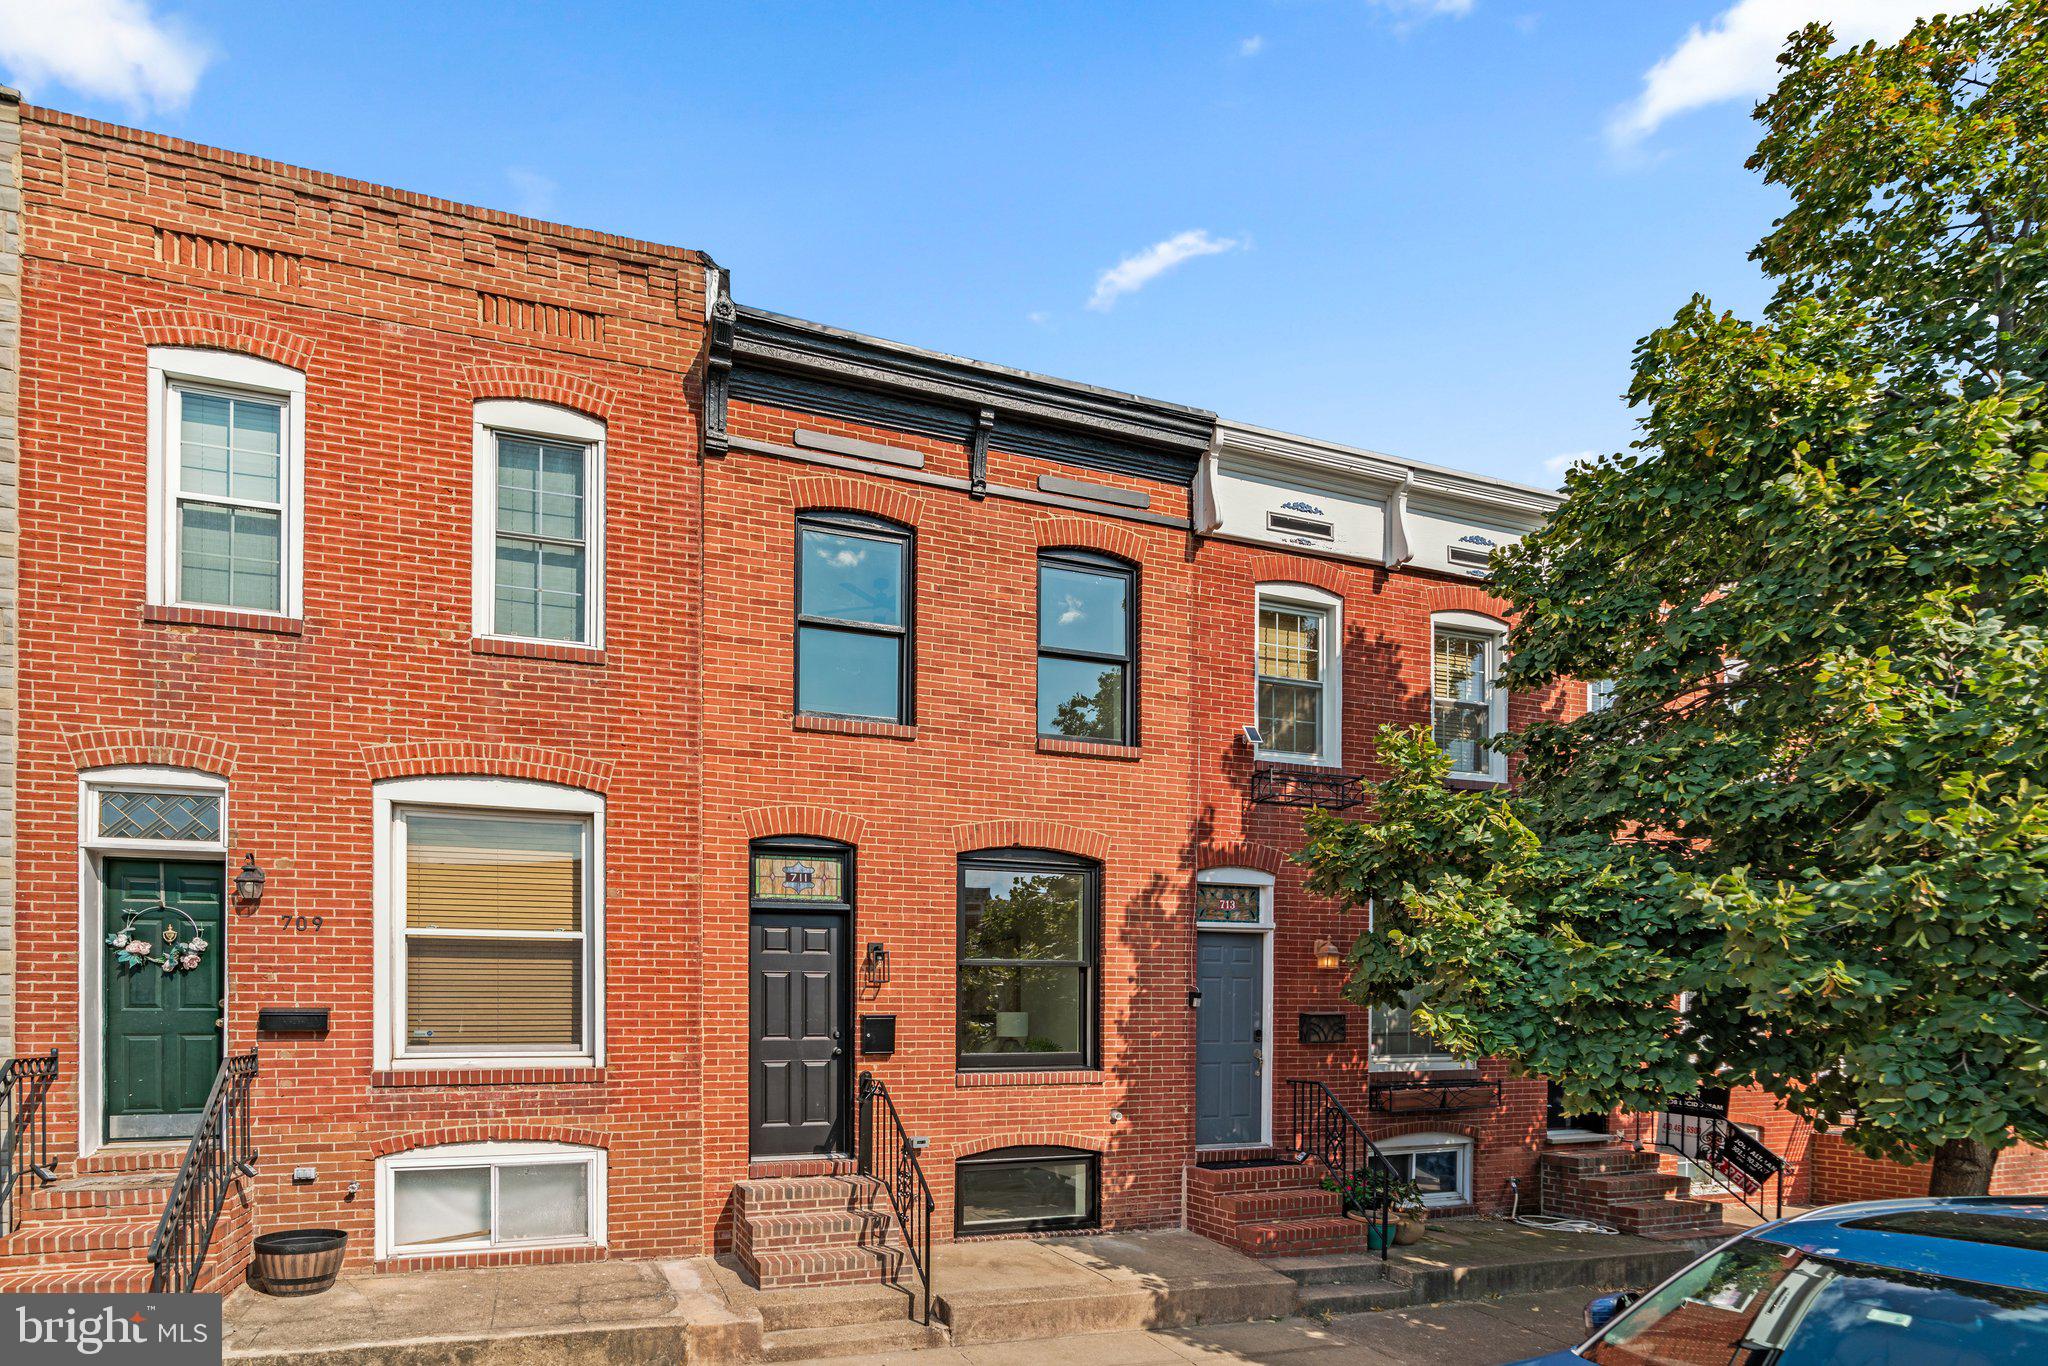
column 533, row 194
column 1425, row 9
column 106, row 49
column 1252, row 46
column 1735, row 56
column 1038, row 317
column 1141, row 268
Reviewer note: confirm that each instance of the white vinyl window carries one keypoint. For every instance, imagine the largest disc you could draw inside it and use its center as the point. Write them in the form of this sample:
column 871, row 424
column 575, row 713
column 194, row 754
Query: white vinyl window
column 1297, row 675
column 540, row 520
column 481, row 1197
column 1398, row 1041
column 1599, row 694
column 226, row 473
column 1441, row 1164
column 1468, row 706
column 490, row 901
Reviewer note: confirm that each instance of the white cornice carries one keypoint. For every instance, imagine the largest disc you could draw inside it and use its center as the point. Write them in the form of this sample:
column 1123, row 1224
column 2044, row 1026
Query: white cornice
column 1376, row 473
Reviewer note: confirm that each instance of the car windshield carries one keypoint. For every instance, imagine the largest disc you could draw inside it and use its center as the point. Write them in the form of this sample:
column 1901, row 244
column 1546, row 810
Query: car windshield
column 1761, row 1304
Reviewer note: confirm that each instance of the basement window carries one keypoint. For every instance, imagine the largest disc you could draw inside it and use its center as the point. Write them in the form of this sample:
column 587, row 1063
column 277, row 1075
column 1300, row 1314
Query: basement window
column 1026, row 1190
column 1441, row 1164
column 482, row 1197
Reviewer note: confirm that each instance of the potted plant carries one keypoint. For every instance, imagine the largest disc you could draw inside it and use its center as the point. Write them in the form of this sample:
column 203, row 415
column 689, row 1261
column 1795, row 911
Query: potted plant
column 1411, row 1215
column 1373, row 1189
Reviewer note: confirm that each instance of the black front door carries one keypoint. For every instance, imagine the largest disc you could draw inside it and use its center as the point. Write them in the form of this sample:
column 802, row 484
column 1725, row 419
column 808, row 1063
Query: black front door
column 797, row 1007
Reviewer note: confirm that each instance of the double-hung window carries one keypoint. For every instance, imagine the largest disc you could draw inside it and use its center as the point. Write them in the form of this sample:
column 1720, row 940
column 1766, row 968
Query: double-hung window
column 1398, row 1041
column 491, row 897
column 1028, row 948
column 1468, row 705
column 226, row 472
column 1599, row 694
column 1086, row 647
column 1296, row 676
column 853, row 628
column 539, row 478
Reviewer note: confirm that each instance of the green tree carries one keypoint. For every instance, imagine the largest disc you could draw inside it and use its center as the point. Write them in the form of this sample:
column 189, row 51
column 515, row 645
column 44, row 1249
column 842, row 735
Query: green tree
column 1819, row 583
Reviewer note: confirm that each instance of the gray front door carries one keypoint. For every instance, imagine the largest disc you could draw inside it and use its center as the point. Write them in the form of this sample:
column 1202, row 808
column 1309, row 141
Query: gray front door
column 1230, row 1041
column 798, row 1003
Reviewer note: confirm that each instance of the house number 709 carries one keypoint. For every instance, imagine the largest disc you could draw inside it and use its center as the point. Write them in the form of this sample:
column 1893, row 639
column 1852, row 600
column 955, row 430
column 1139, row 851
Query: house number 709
column 301, row 923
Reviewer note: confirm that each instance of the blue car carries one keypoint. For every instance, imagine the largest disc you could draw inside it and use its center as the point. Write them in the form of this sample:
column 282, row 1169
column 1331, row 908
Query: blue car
column 1960, row 1282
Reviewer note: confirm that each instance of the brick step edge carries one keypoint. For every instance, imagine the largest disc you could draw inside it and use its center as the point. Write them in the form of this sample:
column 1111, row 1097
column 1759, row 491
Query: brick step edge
column 805, row 1194
column 1243, row 1180
column 820, row 1228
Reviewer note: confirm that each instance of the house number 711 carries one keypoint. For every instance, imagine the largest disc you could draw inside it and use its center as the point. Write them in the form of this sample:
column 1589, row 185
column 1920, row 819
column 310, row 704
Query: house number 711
column 301, row 923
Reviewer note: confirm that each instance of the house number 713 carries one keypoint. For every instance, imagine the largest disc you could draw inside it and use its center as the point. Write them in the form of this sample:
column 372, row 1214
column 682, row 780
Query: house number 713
column 301, row 923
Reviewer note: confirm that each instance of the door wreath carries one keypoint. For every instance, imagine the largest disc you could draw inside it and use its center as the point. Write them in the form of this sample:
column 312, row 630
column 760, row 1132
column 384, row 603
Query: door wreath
column 134, row 951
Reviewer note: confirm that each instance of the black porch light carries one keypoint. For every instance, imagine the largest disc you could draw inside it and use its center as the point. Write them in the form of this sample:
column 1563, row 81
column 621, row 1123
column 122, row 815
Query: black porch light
column 249, row 882
column 875, row 966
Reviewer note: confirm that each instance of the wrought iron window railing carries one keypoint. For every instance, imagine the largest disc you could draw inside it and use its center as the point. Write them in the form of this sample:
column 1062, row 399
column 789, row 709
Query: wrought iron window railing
column 24, row 1129
column 1431, row 1095
column 221, row 1151
column 1324, row 1132
column 1331, row 790
column 894, row 1163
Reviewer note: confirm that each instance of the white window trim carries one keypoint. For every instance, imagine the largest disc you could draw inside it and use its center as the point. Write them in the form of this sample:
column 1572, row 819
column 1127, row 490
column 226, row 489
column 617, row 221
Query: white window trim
column 1593, row 695
column 479, row 796
column 522, row 417
column 171, row 366
column 1496, row 632
column 91, row 910
column 1302, row 597
column 487, row 1155
column 1438, row 1142
column 1378, row 1060
column 1265, row 882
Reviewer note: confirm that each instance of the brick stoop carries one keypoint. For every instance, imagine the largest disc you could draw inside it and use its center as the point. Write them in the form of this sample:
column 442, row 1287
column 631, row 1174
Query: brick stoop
column 90, row 1231
column 1624, row 1189
column 1276, row 1209
column 815, row 1230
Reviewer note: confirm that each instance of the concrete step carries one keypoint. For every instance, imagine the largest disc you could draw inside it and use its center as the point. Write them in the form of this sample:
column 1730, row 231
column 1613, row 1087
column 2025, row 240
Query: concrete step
column 850, row 1340
column 839, row 1306
column 821, row 1228
column 1330, row 1300
column 1332, row 1268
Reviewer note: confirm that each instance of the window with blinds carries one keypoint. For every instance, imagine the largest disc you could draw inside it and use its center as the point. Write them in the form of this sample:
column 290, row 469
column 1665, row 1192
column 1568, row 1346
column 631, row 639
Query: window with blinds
column 495, row 914
column 1463, row 699
column 1290, row 679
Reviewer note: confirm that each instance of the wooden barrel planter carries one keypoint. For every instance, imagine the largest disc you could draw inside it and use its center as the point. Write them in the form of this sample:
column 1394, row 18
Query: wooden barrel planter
column 299, row 1261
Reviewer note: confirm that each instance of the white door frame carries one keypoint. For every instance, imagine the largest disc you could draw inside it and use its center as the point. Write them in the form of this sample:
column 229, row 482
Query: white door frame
column 1249, row 877
column 92, row 949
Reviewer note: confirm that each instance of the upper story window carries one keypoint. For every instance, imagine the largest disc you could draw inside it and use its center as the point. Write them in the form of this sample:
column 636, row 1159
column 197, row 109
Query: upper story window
column 1086, row 647
column 1298, row 677
column 1599, row 694
column 1468, row 705
column 853, row 614
column 226, row 473
column 1028, row 949
column 540, row 523
column 1398, row 1041
column 491, row 892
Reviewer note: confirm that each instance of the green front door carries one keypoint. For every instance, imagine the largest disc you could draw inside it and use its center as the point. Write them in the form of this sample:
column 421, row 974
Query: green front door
column 163, row 1029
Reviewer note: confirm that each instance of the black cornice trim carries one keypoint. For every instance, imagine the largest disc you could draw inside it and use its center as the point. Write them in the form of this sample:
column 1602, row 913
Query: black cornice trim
column 813, row 368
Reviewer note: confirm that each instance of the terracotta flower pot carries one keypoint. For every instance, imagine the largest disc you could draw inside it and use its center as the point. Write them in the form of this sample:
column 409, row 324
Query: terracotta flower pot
column 1408, row 1228
column 299, row 1261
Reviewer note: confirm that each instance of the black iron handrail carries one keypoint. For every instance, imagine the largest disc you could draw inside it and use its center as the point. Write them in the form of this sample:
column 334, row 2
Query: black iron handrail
column 910, row 1195
column 1726, row 1154
column 220, row 1152
column 24, row 1129
column 1325, row 1132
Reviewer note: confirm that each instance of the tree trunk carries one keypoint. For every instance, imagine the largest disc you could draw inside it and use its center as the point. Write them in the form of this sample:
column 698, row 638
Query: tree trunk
column 1962, row 1166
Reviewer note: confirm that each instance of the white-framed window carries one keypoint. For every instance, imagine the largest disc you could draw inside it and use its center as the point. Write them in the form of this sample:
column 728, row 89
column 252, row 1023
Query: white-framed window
column 153, row 810
column 1441, row 1164
column 1468, row 706
column 1599, row 694
column 1399, row 1042
column 1299, row 677
column 484, row 1197
column 1226, row 897
column 490, row 923
column 226, row 481
column 539, row 482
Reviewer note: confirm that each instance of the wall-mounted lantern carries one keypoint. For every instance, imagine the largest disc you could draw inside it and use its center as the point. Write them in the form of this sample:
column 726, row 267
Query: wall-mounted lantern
column 249, row 882
column 874, row 968
column 1327, row 955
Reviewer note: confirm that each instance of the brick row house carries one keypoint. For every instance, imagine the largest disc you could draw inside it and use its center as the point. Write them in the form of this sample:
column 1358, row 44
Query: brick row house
column 574, row 728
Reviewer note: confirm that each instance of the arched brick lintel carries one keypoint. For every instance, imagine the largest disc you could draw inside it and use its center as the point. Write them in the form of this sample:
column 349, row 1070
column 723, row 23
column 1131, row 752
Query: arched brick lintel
column 164, row 748
column 1032, row 834
column 538, row 385
column 1111, row 538
column 197, row 327
column 1048, row 1138
column 1303, row 569
column 819, row 822
column 831, row 493
column 485, row 1131
column 1465, row 597
column 481, row 759
column 1264, row 857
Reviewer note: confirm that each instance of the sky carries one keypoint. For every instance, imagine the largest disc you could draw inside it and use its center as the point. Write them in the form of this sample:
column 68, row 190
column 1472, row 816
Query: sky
column 1434, row 228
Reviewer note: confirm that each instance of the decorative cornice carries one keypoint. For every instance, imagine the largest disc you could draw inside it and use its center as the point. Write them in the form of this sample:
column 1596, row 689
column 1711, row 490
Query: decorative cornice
column 1380, row 474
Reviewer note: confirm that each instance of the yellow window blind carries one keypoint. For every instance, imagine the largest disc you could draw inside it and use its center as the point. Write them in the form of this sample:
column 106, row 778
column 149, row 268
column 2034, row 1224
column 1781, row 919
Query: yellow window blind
column 487, row 874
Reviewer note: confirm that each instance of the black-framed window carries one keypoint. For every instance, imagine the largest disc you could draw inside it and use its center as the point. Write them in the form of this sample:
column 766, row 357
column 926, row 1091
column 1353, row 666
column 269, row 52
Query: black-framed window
column 1029, row 943
column 1026, row 1189
column 853, row 617
column 1087, row 647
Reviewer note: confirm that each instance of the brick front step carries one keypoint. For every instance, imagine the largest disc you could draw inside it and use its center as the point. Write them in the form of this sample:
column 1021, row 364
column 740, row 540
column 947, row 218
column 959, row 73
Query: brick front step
column 1265, row 1176
column 1304, row 1202
column 55, row 1237
column 802, row 1194
column 90, row 1280
column 1632, row 1185
column 146, row 1157
column 93, row 1196
column 823, row 1266
column 820, row 1228
column 1668, row 1216
column 1300, row 1237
